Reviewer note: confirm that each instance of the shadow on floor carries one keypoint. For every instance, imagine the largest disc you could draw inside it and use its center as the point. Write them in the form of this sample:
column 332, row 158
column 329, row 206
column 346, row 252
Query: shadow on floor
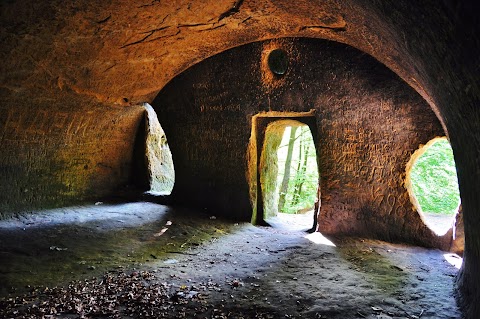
column 134, row 259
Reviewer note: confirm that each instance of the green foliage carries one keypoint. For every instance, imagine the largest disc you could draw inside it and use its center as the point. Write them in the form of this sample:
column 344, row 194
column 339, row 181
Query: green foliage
column 305, row 197
column 434, row 180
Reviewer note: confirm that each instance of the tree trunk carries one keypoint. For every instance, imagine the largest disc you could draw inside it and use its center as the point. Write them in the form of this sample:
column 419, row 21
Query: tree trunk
column 303, row 172
column 302, row 168
column 286, row 172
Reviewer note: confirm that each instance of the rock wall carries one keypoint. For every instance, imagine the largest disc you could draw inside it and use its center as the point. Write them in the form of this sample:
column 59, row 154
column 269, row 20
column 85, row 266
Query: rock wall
column 366, row 141
column 268, row 168
column 369, row 123
column 53, row 155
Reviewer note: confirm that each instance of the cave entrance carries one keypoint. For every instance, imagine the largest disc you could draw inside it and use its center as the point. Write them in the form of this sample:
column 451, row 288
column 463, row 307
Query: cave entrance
column 433, row 186
column 288, row 172
column 158, row 157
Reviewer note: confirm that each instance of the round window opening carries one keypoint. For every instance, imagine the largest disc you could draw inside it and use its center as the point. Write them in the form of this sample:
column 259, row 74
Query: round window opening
column 432, row 184
column 278, row 61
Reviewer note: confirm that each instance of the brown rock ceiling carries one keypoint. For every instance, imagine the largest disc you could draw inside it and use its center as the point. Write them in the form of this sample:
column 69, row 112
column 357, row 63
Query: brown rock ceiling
column 121, row 49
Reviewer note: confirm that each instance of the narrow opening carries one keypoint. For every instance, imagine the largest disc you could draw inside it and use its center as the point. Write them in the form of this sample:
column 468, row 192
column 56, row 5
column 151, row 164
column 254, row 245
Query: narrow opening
column 158, row 156
column 433, row 186
column 289, row 175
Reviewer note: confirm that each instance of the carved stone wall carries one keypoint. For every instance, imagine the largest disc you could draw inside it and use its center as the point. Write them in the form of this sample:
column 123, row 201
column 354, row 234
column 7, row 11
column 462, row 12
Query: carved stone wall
column 365, row 144
column 369, row 123
column 54, row 155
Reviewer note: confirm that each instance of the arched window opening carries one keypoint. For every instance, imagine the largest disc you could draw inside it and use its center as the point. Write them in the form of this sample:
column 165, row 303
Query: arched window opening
column 289, row 174
column 158, row 156
column 433, row 186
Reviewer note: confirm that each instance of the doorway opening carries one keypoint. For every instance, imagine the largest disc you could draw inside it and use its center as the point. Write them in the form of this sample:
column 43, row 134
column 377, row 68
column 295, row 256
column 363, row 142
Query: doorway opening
column 159, row 159
column 433, row 186
column 289, row 175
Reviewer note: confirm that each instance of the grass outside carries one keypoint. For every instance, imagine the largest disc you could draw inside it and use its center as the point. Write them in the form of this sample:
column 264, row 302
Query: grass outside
column 434, row 180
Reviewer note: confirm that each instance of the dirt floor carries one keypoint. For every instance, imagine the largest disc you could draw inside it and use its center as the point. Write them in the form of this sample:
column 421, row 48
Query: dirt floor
column 144, row 260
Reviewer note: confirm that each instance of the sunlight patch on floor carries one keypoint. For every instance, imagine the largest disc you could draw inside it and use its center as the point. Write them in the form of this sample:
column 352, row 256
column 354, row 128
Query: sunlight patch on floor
column 319, row 239
column 454, row 260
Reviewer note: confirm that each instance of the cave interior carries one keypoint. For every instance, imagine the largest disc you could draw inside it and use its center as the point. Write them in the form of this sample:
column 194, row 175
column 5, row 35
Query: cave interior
column 171, row 103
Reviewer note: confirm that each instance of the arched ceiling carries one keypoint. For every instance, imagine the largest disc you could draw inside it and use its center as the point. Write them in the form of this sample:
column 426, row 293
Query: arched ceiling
column 124, row 52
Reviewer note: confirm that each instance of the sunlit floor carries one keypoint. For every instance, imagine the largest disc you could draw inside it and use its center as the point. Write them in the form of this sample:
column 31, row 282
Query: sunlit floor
column 440, row 224
column 204, row 267
column 292, row 222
